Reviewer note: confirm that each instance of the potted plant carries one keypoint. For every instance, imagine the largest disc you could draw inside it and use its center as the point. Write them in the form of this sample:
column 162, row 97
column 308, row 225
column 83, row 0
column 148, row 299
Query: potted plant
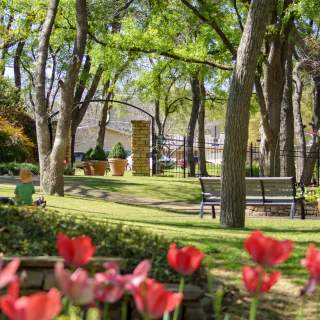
column 117, row 160
column 95, row 162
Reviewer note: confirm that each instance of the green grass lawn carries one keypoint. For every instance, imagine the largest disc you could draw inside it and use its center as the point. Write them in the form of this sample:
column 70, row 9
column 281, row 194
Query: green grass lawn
column 224, row 247
column 162, row 188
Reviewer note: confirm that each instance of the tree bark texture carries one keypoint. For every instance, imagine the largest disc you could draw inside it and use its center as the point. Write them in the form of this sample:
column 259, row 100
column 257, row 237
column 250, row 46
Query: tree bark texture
column 201, row 132
column 233, row 189
column 313, row 152
column 287, row 158
column 43, row 136
column 17, row 65
column 80, row 110
column 196, row 101
column 104, row 117
column 298, row 122
column 274, row 80
column 52, row 161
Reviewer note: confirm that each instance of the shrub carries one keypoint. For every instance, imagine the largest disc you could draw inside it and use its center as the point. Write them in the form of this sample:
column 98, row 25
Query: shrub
column 118, row 152
column 13, row 110
column 95, row 154
column 98, row 154
column 13, row 168
column 69, row 170
column 33, row 233
column 87, row 155
column 14, row 144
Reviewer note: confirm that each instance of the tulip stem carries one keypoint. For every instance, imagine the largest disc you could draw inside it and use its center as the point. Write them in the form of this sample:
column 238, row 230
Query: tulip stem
column 181, row 289
column 166, row 316
column 106, row 314
column 318, row 304
column 253, row 308
column 124, row 308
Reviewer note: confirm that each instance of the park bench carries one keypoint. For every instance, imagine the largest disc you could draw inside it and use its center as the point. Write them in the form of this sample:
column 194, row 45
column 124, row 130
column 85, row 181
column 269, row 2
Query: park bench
column 260, row 191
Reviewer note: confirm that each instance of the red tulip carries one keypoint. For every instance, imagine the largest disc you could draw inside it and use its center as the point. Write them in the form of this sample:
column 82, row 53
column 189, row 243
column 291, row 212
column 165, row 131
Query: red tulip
column 8, row 273
column 267, row 251
column 139, row 274
column 185, row 260
column 75, row 251
column 40, row 306
column 154, row 300
column 312, row 263
column 109, row 284
column 257, row 280
column 77, row 286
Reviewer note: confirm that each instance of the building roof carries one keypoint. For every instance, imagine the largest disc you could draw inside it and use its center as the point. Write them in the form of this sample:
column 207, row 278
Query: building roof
column 107, row 129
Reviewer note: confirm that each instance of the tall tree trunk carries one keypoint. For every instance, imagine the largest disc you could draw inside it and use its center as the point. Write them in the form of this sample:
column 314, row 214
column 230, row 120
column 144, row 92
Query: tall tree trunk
column 313, row 152
column 17, row 65
column 43, row 136
column 298, row 122
column 157, row 116
column 274, row 80
column 201, row 132
column 52, row 169
column 233, row 189
column 287, row 123
column 195, row 88
column 80, row 110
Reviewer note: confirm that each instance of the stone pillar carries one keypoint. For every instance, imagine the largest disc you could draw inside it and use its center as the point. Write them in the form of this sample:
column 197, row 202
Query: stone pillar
column 140, row 144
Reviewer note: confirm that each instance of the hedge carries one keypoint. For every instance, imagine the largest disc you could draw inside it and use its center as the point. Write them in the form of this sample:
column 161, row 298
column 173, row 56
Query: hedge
column 13, row 168
column 31, row 232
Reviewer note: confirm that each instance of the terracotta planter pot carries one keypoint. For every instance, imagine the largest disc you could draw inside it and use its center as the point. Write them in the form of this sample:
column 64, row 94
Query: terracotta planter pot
column 117, row 166
column 95, row 168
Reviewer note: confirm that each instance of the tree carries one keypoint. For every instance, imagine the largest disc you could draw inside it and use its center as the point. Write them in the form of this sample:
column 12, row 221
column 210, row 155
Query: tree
column 51, row 160
column 274, row 76
column 287, row 122
column 237, row 119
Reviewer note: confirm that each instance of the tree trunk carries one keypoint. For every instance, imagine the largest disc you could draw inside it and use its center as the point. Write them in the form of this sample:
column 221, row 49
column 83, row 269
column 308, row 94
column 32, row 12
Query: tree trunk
column 43, row 136
column 298, row 123
column 287, row 124
column 51, row 169
column 17, row 65
column 201, row 132
column 274, row 80
column 157, row 116
column 313, row 152
column 233, row 190
column 80, row 110
column 104, row 119
column 195, row 88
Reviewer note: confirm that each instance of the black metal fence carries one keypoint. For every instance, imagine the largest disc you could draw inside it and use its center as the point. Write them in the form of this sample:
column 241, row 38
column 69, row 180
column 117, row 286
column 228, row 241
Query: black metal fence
column 172, row 159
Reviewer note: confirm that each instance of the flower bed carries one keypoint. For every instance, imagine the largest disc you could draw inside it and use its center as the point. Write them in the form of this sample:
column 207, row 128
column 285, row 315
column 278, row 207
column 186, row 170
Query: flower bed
column 35, row 235
column 109, row 294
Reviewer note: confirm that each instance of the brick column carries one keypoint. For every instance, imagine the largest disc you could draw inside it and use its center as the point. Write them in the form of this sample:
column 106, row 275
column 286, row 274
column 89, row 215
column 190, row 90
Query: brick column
column 140, row 144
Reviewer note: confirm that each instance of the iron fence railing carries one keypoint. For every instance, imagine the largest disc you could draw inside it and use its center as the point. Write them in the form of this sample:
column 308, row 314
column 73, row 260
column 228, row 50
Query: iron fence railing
column 171, row 159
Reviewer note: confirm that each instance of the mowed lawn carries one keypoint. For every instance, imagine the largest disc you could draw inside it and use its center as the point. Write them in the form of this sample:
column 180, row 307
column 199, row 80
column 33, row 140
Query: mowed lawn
column 224, row 247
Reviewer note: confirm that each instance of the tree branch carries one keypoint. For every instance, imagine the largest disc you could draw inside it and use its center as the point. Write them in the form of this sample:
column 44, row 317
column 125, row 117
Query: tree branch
column 238, row 14
column 184, row 59
column 212, row 23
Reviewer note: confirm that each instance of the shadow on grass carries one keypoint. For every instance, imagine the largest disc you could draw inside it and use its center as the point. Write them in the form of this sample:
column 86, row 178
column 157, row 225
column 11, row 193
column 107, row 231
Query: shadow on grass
column 159, row 188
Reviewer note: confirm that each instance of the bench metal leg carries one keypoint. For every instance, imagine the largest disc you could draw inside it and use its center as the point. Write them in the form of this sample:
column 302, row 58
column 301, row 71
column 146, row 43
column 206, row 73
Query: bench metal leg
column 213, row 212
column 292, row 210
column 201, row 210
column 303, row 212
